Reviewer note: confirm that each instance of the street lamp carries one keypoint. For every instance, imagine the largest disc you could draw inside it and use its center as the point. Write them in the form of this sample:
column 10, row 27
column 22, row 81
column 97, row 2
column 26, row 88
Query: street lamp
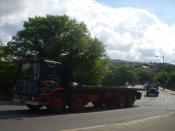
column 163, row 61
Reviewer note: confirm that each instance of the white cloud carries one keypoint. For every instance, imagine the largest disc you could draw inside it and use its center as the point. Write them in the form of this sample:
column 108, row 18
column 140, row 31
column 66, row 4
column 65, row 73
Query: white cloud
column 128, row 33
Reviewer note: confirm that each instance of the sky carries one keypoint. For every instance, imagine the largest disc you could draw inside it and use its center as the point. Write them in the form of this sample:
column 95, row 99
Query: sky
column 134, row 30
column 164, row 9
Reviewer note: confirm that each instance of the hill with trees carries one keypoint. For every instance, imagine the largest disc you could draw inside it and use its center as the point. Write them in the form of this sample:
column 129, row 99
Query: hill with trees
column 139, row 73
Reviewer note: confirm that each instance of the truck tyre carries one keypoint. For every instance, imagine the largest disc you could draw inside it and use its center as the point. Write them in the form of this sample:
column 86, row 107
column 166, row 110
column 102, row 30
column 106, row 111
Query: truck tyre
column 97, row 104
column 121, row 101
column 57, row 103
column 34, row 108
column 130, row 101
column 77, row 104
column 110, row 103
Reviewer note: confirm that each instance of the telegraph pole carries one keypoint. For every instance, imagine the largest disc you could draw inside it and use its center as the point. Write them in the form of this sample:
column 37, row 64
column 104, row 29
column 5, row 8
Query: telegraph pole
column 163, row 61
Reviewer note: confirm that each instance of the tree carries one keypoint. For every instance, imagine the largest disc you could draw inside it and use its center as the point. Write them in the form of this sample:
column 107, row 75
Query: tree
column 170, row 81
column 162, row 78
column 120, row 75
column 2, row 53
column 145, row 75
column 8, row 71
column 63, row 39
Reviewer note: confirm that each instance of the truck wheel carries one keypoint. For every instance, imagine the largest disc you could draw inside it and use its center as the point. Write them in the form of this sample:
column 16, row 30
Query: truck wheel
column 77, row 104
column 110, row 104
column 34, row 108
column 58, row 103
column 130, row 101
column 97, row 104
column 121, row 101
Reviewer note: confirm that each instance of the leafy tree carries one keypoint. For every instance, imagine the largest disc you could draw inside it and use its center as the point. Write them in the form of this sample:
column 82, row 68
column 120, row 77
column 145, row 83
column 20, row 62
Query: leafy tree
column 2, row 53
column 171, row 78
column 145, row 75
column 120, row 75
column 163, row 78
column 163, row 67
column 63, row 39
column 170, row 81
column 8, row 71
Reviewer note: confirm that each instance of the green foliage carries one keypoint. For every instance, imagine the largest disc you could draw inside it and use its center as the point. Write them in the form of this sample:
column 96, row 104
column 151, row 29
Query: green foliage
column 171, row 80
column 8, row 72
column 145, row 75
column 123, row 71
column 160, row 67
column 2, row 51
column 128, row 72
column 165, row 75
column 161, row 78
column 120, row 75
column 166, row 79
column 62, row 39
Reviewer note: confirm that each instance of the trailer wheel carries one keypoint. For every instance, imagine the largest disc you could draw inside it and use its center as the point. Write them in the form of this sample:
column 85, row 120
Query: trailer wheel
column 130, row 101
column 33, row 108
column 77, row 103
column 110, row 104
column 97, row 104
column 58, row 103
column 121, row 101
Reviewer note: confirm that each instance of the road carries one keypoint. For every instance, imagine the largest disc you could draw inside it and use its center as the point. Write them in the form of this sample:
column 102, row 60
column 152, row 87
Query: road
column 18, row 118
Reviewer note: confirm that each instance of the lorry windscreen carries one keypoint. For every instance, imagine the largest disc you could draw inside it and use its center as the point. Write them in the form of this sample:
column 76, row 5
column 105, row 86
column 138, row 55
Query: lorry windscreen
column 29, row 71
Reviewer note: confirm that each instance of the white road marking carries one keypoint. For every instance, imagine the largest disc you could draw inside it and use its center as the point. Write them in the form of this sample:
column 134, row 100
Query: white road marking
column 123, row 123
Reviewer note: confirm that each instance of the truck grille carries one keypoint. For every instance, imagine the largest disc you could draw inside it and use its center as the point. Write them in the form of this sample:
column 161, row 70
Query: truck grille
column 28, row 87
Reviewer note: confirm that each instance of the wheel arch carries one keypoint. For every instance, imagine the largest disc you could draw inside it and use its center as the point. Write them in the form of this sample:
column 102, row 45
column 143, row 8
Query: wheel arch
column 58, row 90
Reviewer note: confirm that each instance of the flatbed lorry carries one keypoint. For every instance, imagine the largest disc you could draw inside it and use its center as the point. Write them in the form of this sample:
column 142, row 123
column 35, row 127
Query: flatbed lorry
column 45, row 83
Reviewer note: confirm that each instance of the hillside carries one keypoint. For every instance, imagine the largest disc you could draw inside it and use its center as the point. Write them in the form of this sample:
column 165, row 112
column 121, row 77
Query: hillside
column 156, row 67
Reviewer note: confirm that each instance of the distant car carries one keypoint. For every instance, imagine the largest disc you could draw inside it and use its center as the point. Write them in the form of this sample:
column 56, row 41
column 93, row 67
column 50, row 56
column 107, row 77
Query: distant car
column 151, row 89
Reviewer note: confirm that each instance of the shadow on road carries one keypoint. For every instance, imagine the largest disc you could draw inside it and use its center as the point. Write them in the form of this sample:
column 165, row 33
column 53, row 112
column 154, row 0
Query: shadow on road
column 24, row 113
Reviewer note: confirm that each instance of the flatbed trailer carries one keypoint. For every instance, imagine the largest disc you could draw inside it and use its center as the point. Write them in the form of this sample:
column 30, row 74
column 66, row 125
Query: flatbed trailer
column 57, row 94
column 106, row 96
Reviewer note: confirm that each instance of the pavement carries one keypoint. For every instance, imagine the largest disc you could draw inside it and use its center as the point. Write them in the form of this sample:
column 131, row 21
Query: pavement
column 169, row 91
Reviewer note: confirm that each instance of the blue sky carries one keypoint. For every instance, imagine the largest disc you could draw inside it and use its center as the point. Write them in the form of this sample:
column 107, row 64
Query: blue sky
column 163, row 9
